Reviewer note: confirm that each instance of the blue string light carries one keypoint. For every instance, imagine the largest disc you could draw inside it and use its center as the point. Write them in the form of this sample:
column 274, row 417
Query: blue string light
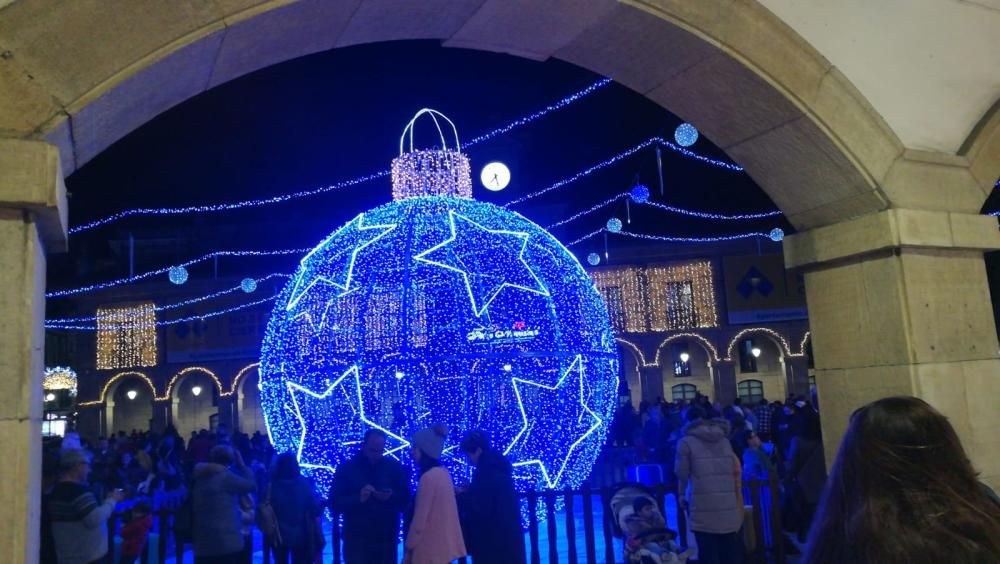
column 586, row 212
column 710, row 215
column 151, row 273
column 52, row 325
column 671, row 239
column 168, row 307
column 568, row 100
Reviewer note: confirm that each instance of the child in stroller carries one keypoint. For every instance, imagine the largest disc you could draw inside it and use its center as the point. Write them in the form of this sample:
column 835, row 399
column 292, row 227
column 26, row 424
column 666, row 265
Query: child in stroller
column 640, row 522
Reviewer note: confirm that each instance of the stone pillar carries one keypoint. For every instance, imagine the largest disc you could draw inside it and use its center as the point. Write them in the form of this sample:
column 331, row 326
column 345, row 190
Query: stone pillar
column 796, row 376
column 899, row 305
column 32, row 218
column 724, row 382
column 652, row 383
column 161, row 416
column 227, row 413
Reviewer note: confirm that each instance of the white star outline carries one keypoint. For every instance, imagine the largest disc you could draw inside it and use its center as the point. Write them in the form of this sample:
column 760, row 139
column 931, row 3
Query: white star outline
column 465, row 276
column 346, row 287
column 353, row 370
column 578, row 365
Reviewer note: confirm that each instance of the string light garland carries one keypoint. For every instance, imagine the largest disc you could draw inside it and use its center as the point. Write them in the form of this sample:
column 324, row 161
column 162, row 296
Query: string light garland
column 121, row 343
column 715, row 216
column 700, row 339
column 112, row 380
column 436, row 308
column 670, row 239
column 151, row 325
column 520, row 122
column 784, row 347
column 59, row 378
column 623, row 292
column 151, row 273
column 247, row 282
column 587, row 212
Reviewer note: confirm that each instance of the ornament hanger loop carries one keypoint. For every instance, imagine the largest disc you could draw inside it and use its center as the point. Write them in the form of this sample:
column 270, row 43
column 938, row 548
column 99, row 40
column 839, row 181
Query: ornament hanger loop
column 434, row 115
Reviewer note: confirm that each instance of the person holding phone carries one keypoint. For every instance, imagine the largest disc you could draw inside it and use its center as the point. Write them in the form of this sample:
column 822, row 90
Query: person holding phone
column 370, row 490
column 79, row 522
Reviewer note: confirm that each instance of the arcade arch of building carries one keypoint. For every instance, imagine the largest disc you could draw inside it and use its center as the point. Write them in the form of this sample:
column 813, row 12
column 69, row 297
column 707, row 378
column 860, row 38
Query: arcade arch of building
column 890, row 238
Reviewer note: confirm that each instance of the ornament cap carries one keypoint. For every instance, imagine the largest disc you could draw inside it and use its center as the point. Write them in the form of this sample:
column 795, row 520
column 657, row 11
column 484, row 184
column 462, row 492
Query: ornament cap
column 431, row 172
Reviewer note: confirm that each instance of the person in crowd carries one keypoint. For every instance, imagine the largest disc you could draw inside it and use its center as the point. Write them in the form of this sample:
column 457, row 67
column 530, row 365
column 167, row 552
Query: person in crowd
column 79, row 523
column 135, row 532
column 371, row 491
column 806, row 472
column 102, row 460
column 706, row 462
column 296, row 507
column 757, row 465
column 489, row 507
column 435, row 536
column 169, row 460
column 764, row 415
column 652, row 434
column 218, row 485
column 647, row 535
column 902, row 489
column 50, row 477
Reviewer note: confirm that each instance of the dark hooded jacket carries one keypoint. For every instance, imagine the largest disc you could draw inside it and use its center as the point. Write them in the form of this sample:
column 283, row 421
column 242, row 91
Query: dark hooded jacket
column 491, row 514
column 216, row 508
column 705, row 457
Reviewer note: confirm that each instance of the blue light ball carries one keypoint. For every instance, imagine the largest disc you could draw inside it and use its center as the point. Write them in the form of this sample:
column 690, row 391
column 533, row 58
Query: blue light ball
column 614, row 225
column 177, row 274
column 248, row 285
column 495, row 325
column 776, row 235
column 685, row 135
column 640, row 194
column 594, row 259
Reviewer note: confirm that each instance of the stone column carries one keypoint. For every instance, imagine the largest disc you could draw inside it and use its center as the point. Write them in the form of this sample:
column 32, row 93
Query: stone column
column 652, row 383
column 227, row 412
column 161, row 416
column 796, row 376
column 899, row 305
column 32, row 220
column 724, row 382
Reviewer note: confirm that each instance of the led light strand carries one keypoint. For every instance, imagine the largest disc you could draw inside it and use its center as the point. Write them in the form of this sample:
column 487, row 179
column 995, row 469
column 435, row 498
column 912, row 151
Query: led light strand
column 70, row 320
column 619, row 157
column 667, row 238
column 150, row 274
column 710, row 215
column 572, row 98
column 167, row 322
column 585, row 237
column 586, row 212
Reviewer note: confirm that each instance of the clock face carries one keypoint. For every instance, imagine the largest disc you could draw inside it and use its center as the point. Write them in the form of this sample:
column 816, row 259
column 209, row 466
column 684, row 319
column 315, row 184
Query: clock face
column 495, row 176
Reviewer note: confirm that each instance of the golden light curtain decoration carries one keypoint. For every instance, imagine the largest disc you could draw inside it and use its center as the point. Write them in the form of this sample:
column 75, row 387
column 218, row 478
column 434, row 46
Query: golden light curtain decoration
column 126, row 336
column 665, row 297
column 59, row 378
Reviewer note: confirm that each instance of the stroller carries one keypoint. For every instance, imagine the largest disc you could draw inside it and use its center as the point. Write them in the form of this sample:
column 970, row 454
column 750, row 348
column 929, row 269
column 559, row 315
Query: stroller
column 620, row 511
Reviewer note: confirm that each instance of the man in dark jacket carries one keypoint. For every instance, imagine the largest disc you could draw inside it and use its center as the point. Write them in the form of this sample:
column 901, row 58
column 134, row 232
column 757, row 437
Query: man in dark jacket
column 489, row 507
column 371, row 491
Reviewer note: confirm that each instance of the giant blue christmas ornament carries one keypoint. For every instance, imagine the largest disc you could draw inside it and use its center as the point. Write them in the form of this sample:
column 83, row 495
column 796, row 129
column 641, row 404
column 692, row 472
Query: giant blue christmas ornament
column 436, row 308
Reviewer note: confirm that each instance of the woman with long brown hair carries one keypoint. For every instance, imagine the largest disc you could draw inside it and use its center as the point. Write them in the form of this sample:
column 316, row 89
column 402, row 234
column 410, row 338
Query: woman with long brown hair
column 903, row 490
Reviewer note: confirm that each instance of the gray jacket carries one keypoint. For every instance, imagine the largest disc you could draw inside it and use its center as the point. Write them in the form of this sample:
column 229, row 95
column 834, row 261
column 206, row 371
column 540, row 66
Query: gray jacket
column 705, row 457
column 215, row 503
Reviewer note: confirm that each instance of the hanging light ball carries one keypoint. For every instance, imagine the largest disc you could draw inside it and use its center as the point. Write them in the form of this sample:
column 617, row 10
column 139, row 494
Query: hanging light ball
column 614, row 225
column 178, row 274
column 685, row 135
column 594, row 259
column 248, row 285
column 640, row 193
column 776, row 235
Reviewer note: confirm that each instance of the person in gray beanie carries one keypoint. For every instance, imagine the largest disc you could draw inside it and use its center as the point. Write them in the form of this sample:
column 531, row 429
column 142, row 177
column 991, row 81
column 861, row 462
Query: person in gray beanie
column 435, row 536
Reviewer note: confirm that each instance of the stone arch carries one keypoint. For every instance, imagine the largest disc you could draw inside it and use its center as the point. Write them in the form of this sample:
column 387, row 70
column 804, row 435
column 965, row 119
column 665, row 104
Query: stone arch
column 122, row 413
column 247, row 393
column 770, row 368
column 115, row 381
column 702, row 365
column 190, row 412
column 705, row 344
column 982, row 149
column 777, row 339
column 768, row 98
column 631, row 366
column 180, row 376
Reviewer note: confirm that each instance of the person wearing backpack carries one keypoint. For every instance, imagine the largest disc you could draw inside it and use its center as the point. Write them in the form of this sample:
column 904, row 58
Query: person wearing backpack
column 296, row 508
column 215, row 506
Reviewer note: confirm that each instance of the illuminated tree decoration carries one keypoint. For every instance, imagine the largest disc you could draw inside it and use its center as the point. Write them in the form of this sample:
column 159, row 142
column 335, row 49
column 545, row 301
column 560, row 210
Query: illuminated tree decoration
column 594, row 259
column 178, row 274
column 614, row 225
column 248, row 285
column 777, row 235
column 640, row 193
column 59, row 378
column 440, row 309
column 685, row 135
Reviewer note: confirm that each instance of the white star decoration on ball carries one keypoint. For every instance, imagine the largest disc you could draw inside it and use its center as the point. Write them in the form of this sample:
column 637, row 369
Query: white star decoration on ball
column 475, row 254
column 541, row 443
column 320, row 409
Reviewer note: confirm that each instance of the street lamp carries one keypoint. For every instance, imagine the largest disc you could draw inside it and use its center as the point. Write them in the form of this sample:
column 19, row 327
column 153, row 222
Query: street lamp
column 755, row 352
column 685, row 357
column 196, row 390
column 50, row 396
column 131, row 394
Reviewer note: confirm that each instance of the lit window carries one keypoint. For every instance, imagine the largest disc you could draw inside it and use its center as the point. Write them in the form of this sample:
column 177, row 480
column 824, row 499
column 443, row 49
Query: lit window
column 682, row 359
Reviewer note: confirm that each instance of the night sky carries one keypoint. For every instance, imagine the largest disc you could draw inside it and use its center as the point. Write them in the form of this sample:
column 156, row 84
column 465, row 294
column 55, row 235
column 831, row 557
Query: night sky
column 332, row 116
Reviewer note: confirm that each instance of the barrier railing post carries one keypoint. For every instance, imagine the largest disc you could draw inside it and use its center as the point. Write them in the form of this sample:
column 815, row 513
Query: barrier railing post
column 569, row 501
column 550, row 525
column 588, row 523
column 609, row 548
column 533, row 526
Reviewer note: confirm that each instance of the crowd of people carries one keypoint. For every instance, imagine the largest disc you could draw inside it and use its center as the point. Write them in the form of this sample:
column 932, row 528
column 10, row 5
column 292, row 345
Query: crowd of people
column 901, row 489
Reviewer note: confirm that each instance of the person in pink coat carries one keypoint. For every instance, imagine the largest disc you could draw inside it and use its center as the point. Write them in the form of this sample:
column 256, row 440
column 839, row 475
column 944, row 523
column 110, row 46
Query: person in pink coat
column 435, row 536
